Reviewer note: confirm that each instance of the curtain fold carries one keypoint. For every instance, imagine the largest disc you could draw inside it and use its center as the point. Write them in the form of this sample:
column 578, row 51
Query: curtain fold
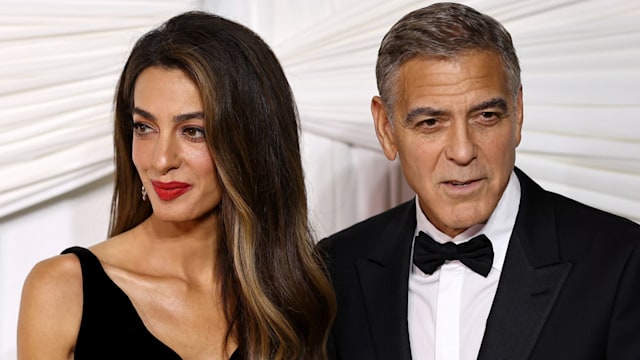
column 58, row 71
column 580, row 68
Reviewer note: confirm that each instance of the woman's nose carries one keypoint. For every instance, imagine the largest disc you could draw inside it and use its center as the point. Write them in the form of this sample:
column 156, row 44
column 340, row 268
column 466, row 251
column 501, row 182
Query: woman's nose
column 166, row 153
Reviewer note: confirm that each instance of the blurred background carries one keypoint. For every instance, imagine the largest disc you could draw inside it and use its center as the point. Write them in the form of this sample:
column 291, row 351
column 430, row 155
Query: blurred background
column 60, row 59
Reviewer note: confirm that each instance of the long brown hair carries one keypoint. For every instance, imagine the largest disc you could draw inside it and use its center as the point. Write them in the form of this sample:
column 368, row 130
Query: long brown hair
column 278, row 301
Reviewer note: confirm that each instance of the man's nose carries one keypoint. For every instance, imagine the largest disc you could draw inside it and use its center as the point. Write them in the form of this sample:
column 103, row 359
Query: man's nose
column 460, row 147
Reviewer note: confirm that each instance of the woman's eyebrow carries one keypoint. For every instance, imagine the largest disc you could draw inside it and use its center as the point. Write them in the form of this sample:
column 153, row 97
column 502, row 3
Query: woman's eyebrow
column 178, row 118
column 189, row 116
column 145, row 114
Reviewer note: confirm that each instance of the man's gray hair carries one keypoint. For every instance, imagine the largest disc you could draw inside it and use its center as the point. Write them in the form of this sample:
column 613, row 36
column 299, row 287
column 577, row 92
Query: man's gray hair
column 442, row 31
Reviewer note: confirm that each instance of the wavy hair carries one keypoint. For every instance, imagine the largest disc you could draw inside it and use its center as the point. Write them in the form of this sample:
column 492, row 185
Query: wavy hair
column 278, row 301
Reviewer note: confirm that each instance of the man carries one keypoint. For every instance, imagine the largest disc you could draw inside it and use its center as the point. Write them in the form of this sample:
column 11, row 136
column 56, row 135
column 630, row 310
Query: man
column 534, row 275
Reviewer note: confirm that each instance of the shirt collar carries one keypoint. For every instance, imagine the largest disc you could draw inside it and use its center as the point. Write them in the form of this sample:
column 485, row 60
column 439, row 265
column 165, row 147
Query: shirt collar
column 498, row 228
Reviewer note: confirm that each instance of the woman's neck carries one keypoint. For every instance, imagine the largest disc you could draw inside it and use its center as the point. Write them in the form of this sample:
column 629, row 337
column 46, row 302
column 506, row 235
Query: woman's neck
column 186, row 250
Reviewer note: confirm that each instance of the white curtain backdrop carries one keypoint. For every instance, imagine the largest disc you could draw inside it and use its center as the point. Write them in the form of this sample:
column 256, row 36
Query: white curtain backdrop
column 580, row 63
column 580, row 69
column 60, row 60
column 59, row 63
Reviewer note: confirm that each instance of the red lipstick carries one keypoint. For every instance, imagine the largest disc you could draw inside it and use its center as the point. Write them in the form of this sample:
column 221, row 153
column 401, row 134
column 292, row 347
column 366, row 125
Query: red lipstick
column 170, row 190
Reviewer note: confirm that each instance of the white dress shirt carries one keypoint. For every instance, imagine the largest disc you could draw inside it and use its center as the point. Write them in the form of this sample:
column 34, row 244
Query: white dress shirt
column 448, row 310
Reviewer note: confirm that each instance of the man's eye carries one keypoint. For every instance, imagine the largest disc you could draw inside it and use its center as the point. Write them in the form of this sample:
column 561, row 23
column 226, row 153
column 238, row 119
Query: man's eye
column 429, row 122
column 489, row 117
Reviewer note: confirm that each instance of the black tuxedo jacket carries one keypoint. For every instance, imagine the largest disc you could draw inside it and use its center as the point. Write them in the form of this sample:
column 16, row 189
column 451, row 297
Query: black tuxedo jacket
column 569, row 288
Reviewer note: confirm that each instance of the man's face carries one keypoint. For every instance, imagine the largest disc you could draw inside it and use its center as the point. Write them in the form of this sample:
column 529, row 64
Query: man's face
column 455, row 129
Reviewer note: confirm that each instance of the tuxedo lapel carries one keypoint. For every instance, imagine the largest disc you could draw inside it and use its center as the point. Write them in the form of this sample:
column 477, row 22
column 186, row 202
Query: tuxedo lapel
column 532, row 277
column 522, row 304
column 384, row 278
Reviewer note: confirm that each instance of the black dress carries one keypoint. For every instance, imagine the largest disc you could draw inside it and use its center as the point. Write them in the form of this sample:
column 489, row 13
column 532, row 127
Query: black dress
column 110, row 327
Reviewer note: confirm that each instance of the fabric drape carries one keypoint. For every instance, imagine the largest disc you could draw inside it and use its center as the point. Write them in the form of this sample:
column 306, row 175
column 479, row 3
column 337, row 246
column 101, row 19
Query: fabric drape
column 580, row 70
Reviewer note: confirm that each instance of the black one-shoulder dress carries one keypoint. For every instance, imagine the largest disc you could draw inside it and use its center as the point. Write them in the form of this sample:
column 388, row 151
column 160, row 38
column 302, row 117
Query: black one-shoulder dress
column 110, row 327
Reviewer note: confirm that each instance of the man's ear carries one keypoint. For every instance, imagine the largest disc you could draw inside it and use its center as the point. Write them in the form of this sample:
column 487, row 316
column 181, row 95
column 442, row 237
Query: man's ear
column 384, row 128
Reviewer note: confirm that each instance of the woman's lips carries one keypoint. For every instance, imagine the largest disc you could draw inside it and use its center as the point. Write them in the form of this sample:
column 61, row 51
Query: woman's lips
column 170, row 190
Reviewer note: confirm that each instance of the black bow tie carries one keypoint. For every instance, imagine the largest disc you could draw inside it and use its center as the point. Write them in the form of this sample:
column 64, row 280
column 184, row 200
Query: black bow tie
column 476, row 254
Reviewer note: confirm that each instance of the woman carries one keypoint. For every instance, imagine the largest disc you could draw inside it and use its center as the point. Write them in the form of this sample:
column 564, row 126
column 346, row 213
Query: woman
column 209, row 254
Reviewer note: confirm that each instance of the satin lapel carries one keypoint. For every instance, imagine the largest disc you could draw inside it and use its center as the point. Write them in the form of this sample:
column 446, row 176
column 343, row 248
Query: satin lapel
column 384, row 277
column 532, row 278
column 522, row 304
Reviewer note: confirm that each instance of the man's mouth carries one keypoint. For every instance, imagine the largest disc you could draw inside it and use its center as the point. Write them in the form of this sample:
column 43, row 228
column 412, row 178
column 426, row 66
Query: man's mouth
column 460, row 183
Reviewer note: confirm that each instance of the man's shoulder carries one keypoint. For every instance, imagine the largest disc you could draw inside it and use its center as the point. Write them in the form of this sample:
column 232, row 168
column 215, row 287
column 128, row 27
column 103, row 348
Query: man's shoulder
column 577, row 222
column 357, row 237
column 375, row 223
column 571, row 212
column 590, row 218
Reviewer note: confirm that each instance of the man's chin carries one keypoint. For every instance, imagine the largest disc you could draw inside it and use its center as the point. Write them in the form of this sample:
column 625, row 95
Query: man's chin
column 458, row 222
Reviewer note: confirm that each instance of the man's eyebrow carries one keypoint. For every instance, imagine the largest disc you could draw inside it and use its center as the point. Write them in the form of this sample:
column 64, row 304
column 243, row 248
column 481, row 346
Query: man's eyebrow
column 182, row 117
column 491, row 103
column 423, row 111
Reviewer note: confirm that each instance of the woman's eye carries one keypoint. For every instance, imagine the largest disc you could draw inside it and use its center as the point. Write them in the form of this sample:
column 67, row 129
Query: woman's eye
column 194, row 133
column 141, row 128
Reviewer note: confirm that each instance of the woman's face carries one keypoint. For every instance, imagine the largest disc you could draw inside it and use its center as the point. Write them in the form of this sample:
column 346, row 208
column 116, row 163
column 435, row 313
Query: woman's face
column 169, row 147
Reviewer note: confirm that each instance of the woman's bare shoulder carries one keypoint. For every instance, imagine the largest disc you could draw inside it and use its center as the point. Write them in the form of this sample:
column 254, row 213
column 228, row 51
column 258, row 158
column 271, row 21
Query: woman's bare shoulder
column 56, row 275
column 50, row 309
